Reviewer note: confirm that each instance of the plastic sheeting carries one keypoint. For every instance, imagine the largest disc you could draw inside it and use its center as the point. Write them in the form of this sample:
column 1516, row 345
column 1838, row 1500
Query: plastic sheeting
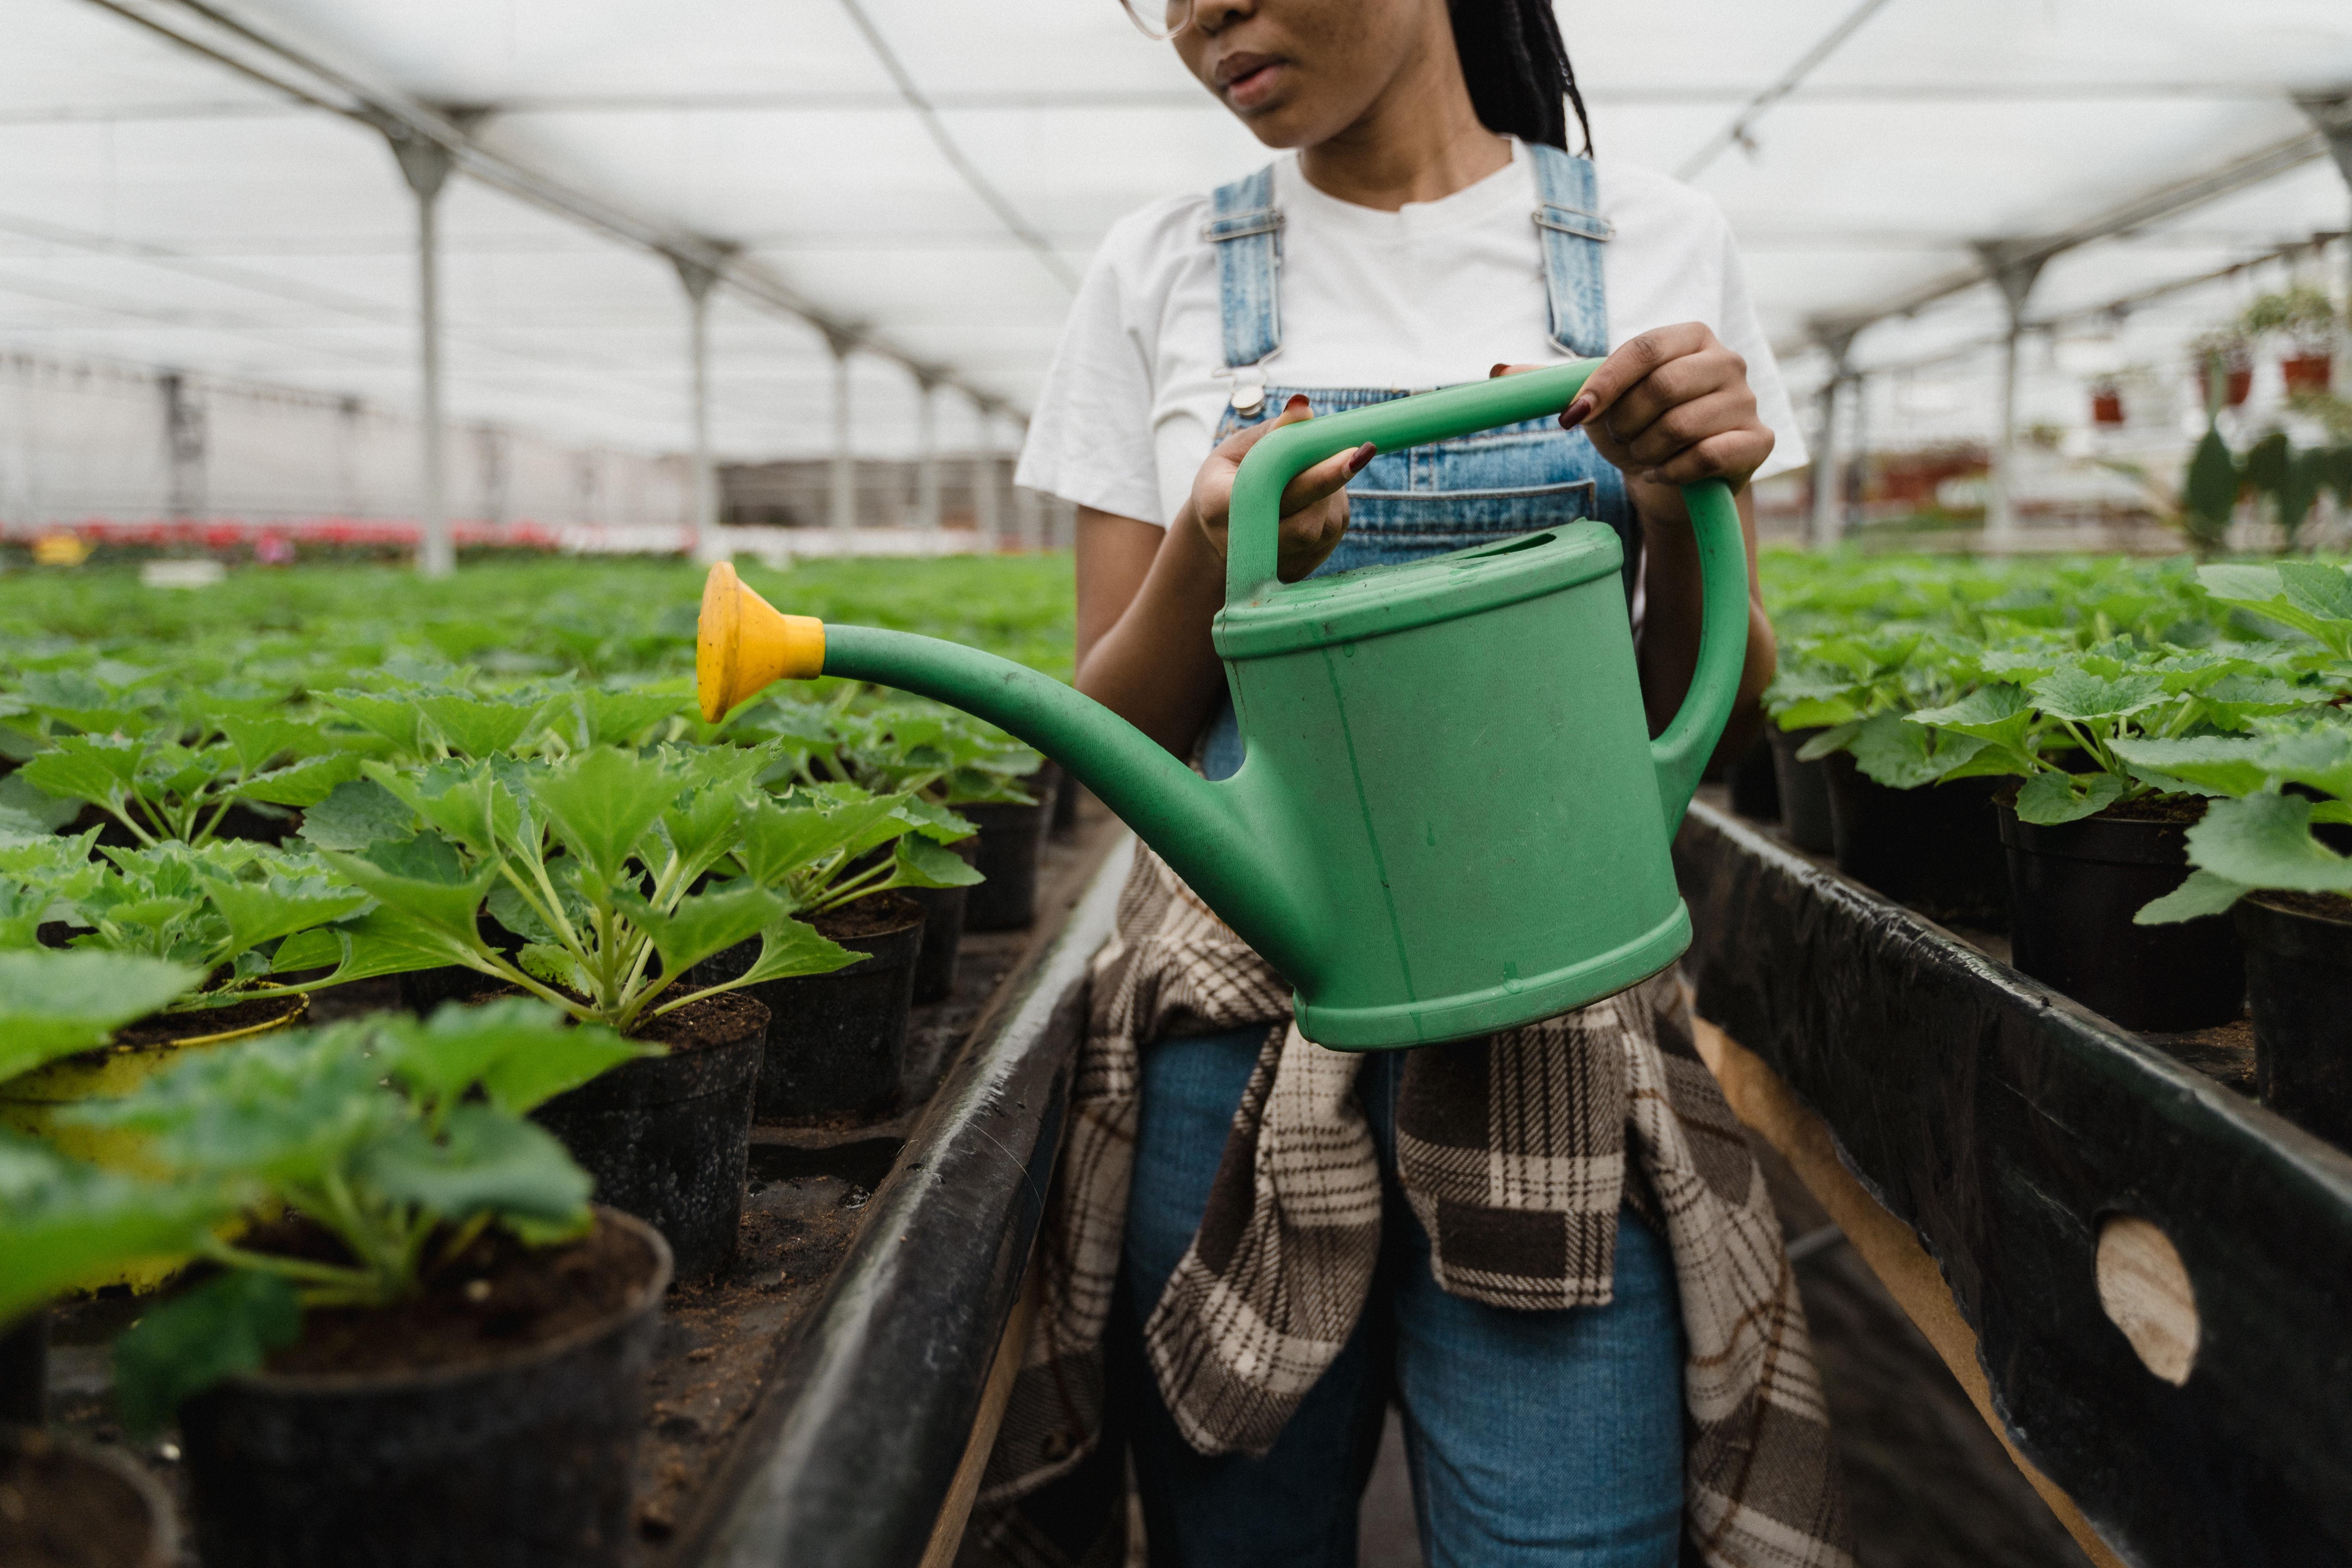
column 158, row 209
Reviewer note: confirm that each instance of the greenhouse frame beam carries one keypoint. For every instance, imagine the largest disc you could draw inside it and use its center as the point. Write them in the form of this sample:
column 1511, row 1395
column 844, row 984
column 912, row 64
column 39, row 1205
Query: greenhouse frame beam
column 2150, row 206
column 280, row 65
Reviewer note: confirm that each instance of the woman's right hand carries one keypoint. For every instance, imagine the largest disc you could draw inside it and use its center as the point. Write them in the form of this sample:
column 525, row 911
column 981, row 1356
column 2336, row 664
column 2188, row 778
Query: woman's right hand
column 1314, row 504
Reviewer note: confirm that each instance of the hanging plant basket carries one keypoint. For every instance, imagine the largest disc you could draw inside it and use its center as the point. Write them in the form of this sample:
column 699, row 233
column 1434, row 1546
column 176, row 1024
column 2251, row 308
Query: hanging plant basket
column 2307, row 370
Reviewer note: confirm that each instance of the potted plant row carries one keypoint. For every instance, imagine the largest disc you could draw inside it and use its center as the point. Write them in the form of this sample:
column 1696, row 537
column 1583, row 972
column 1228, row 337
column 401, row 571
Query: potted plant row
column 423, row 1345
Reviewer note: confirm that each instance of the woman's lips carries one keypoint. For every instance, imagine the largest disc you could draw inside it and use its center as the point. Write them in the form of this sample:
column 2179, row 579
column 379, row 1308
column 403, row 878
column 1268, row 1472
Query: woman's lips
column 1248, row 81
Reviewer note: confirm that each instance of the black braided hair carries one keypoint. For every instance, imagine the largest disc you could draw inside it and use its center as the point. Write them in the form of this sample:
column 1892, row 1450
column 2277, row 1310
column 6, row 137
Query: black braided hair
column 1520, row 82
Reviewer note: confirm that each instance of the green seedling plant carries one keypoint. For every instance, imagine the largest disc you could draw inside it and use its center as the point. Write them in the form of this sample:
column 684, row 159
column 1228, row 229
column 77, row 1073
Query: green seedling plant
column 599, row 863
column 935, row 752
column 401, row 1141
column 227, row 910
column 2272, row 791
column 2042, row 707
column 162, row 786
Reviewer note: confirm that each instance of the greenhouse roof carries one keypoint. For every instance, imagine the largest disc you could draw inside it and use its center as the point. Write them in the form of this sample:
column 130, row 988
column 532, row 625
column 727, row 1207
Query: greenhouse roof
column 199, row 186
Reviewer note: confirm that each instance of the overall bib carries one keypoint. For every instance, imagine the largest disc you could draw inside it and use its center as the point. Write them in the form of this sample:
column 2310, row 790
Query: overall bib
column 1449, row 495
column 1534, row 1437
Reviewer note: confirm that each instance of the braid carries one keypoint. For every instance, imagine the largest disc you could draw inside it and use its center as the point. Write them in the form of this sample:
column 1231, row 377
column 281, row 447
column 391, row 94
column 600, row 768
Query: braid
column 1517, row 68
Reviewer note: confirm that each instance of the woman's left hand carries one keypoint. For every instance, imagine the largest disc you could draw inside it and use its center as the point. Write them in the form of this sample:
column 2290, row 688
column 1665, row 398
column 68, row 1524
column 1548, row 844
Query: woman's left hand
column 1670, row 407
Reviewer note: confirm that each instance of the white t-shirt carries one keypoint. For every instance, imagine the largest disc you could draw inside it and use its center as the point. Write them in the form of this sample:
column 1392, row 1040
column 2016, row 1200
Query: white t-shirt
column 1427, row 296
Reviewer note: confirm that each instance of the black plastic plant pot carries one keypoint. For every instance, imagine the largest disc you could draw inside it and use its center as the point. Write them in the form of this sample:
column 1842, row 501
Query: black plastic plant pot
column 2299, row 985
column 25, row 1370
column 66, row 1506
column 935, row 962
column 1066, row 795
column 837, row 1042
column 935, row 959
column 668, row 1137
column 2073, row 889
column 1804, row 790
column 1755, row 783
column 524, row 1459
column 1935, row 848
column 1012, row 846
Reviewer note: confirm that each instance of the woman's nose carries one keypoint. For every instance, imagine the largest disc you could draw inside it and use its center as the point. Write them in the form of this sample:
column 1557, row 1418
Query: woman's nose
column 1208, row 15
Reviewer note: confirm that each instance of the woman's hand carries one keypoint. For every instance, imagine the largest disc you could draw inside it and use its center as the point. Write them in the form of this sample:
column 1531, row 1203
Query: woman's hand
column 1314, row 504
column 1669, row 408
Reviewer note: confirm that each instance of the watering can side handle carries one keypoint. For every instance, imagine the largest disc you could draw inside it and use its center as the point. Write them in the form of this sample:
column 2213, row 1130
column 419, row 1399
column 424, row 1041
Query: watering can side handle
column 1681, row 753
column 1252, row 541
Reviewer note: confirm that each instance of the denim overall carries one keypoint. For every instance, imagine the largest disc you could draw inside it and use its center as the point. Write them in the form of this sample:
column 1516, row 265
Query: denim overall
column 1541, row 1439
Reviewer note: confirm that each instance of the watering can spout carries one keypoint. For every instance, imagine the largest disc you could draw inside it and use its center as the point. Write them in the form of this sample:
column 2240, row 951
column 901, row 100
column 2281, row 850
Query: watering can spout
column 1203, row 830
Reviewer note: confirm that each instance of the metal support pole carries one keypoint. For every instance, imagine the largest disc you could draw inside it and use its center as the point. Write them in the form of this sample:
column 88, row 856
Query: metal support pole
column 987, row 498
column 2015, row 279
column 2332, row 115
column 1858, row 465
column 184, row 446
column 702, row 524
column 927, row 456
column 426, row 165
column 844, row 467
column 1828, row 517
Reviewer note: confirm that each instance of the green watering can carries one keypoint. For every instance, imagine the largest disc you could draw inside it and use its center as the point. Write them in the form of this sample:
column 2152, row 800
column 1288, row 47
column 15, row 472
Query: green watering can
column 1450, row 818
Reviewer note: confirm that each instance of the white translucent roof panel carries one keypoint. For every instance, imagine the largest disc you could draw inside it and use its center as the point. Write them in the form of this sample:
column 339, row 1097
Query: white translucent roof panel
column 159, row 208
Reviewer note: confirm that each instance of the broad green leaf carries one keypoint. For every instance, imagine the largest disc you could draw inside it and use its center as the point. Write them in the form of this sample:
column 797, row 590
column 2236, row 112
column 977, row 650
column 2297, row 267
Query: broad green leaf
column 46, row 856
column 356, row 814
column 602, row 804
column 255, row 743
column 2049, row 798
column 445, row 1055
column 302, row 784
column 1900, row 756
column 923, row 864
column 1833, row 739
column 702, row 826
column 2000, row 713
column 554, row 964
column 97, row 769
column 396, row 719
column 523, row 1080
column 2203, row 893
column 704, row 924
column 479, row 727
column 2079, row 695
column 2266, row 841
column 223, row 1327
column 794, row 948
column 615, row 718
column 62, row 1222
column 2230, row 763
column 45, row 813
column 487, row 1159
column 422, row 880
column 259, row 911
column 779, row 840
column 54, row 1004
column 2324, row 593
column 465, row 801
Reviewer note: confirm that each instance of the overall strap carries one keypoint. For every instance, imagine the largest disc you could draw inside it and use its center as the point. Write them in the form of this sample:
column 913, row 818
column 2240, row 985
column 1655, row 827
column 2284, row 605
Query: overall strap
column 1246, row 229
column 1569, row 224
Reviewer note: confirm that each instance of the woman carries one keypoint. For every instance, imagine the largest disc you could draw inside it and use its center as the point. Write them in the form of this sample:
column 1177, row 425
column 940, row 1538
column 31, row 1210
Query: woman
column 1550, row 1249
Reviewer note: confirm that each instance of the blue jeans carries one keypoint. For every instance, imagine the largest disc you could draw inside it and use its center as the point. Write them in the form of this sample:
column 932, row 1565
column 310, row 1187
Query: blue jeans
column 1535, row 1439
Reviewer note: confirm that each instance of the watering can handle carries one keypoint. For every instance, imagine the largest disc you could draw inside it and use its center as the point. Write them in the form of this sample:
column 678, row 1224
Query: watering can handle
column 1252, row 541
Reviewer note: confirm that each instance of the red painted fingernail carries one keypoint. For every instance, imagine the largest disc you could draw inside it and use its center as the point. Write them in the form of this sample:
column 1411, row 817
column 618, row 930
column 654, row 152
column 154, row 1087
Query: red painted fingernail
column 1498, row 368
column 1578, row 411
column 1297, row 400
column 1359, row 457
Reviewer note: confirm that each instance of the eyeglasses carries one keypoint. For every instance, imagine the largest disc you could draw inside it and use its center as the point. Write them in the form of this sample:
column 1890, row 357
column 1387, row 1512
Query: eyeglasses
column 1159, row 20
